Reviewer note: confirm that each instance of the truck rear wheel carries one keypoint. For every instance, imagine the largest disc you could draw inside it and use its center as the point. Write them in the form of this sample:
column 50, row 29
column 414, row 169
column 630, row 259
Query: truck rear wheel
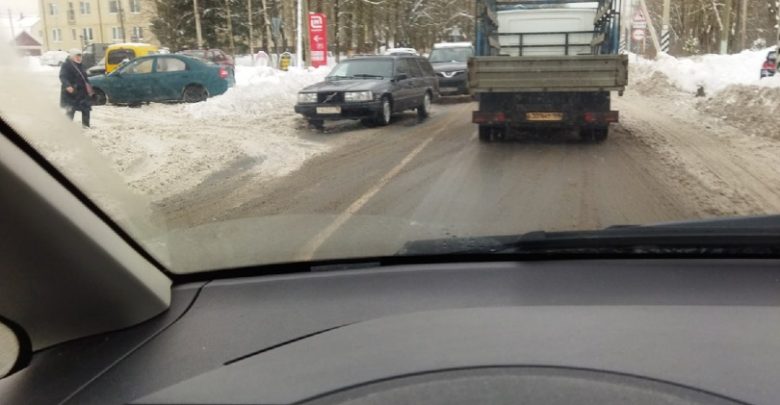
column 485, row 134
column 594, row 134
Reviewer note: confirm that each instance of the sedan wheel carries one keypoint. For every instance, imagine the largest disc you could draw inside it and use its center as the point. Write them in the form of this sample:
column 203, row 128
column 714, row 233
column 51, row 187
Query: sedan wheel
column 385, row 113
column 424, row 110
column 194, row 94
column 99, row 97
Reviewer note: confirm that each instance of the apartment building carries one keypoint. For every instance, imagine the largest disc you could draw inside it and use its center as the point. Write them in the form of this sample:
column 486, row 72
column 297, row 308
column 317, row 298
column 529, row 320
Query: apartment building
column 71, row 24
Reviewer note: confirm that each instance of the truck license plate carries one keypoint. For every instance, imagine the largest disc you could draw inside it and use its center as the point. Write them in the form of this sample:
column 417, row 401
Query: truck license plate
column 544, row 116
column 328, row 110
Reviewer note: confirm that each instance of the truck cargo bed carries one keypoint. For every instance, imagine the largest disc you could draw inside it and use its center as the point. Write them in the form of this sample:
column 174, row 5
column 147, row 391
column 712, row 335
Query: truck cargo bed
column 513, row 74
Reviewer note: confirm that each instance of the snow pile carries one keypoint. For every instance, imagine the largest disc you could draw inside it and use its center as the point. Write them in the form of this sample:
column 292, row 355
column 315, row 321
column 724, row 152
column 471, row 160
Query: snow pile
column 754, row 109
column 252, row 130
column 713, row 72
column 259, row 92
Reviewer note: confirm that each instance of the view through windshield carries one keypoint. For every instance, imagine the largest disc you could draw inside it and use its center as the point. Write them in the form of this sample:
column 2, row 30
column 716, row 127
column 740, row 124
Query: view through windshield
column 382, row 68
column 573, row 117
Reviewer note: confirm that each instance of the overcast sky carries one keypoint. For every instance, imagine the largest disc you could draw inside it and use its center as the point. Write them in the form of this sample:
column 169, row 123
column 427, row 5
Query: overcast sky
column 28, row 7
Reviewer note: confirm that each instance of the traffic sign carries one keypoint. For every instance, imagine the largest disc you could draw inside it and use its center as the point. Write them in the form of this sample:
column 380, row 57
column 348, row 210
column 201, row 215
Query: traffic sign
column 638, row 34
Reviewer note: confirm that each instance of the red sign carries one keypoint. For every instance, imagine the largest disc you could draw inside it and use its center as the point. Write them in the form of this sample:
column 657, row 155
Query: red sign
column 318, row 39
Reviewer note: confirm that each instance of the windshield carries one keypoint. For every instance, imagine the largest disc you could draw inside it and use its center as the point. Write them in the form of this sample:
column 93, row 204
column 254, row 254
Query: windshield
column 451, row 55
column 328, row 149
column 363, row 67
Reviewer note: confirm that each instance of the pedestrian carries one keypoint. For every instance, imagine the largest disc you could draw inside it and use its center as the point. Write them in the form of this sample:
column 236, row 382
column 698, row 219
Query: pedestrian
column 76, row 91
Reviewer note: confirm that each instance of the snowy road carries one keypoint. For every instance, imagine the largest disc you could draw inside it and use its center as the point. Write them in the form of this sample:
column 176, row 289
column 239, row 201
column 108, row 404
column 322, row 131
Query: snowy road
column 384, row 186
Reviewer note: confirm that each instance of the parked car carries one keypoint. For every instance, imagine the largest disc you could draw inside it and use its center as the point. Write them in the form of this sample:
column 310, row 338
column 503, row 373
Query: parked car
column 450, row 62
column 402, row 51
column 212, row 55
column 118, row 54
column 162, row 78
column 98, row 69
column 93, row 54
column 54, row 58
column 769, row 67
column 371, row 88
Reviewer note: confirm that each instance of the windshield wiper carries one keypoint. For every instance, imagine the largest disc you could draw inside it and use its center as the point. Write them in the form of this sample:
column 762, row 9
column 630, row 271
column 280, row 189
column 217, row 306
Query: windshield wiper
column 368, row 76
column 756, row 236
column 339, row 77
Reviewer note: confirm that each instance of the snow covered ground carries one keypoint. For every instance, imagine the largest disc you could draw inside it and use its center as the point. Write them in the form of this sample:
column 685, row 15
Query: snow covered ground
column 733, row 90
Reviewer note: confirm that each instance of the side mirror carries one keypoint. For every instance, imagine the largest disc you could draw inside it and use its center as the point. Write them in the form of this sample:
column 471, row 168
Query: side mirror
column 401, row 76
column 15, row 348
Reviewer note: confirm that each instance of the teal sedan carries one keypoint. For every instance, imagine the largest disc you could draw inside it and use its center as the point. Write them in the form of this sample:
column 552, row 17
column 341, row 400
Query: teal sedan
column 162, row 78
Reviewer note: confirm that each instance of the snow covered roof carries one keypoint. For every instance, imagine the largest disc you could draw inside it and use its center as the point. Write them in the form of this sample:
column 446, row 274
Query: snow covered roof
column 452, row 45
column 24, row 24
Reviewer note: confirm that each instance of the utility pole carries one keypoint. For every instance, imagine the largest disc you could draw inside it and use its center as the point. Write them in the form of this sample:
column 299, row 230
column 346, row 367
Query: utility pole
column 299, row 35
column 726, row 28
column 122, row 20
column 743, row 25
column 11, row 22
column 100, row 22
column 197, row 24
column 665, row 28
column 251, row 26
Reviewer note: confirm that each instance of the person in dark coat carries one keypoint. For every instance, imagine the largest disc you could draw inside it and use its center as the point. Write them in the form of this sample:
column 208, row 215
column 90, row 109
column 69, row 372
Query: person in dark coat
column 75, row 91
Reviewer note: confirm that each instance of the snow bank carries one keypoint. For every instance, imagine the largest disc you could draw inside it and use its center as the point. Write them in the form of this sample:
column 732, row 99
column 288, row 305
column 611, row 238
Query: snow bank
column 162, row 150
column 713, row 72
column 733, row 90
column 259, row 91
column 753, row 109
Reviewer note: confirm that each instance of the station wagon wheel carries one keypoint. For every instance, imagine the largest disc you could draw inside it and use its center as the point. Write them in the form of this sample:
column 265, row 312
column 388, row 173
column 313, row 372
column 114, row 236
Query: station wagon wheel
column 385, row 113
column 99, row 97
column 424, row 110
column 194, row 94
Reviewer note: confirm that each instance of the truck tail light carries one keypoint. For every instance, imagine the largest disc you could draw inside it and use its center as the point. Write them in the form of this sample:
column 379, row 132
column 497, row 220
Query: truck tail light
column 601, row 117
column 479, row 117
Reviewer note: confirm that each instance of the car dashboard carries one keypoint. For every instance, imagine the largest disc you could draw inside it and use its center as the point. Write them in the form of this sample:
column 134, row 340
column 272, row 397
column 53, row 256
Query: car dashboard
column 537, row 332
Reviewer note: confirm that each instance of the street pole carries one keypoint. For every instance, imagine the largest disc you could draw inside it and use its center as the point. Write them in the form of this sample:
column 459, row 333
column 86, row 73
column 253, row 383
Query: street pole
column 197, row 23
column 251, row 37
column 665, row 28
column 299, row 35
column 122, row 20
column 726, row 29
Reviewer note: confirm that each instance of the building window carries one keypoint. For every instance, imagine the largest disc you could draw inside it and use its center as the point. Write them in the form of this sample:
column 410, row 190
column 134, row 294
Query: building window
column 135, row 6
column 52, row 9
column 85, row 7
column 138, row 33
column 87, row 34
column 56, row 35
column 113, row 6
column 73, row 31
column 116, row 33
column 71, row 12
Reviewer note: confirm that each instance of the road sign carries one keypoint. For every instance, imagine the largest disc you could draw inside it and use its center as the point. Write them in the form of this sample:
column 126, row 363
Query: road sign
column 638, row 34
column 318, row 39
column 639, row 21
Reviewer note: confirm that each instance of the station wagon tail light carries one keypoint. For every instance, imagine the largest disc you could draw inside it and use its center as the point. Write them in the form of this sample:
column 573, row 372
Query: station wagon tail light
column 223, row 73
